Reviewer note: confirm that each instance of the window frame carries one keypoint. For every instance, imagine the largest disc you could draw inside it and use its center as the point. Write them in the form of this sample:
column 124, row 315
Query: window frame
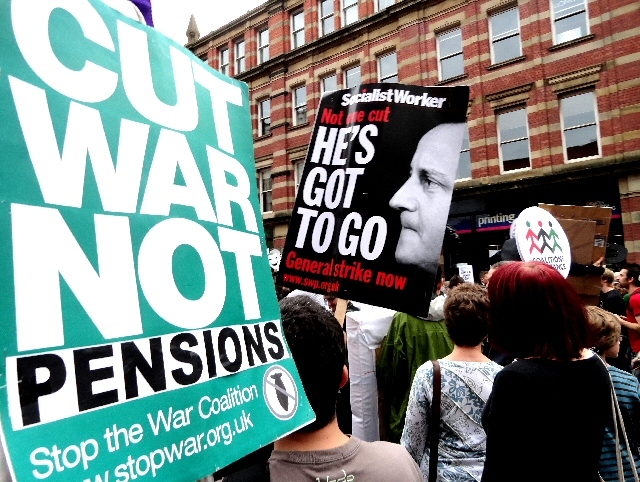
column 326, row 17
column 261, row 47
column 344, row 9
column 323, row 89
column 298, row 170
column 500, row 143
column 596, row 123
column 297, row 107
column 345, row 76
column 439, row 36
column 554, row 20
column 295, row 14
column 493, row 41
column 264, row 129
column 382, row 79
column 224, row 68
column 262, row 191
column 465, row 150
column 379, row 8
column 240, row 60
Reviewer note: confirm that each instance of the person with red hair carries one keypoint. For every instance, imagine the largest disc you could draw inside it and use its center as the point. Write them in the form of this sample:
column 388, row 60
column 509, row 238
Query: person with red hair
column 546, row 415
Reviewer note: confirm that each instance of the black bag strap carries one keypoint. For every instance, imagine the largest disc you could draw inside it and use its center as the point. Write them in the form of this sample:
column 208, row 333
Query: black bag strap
column 434, row 423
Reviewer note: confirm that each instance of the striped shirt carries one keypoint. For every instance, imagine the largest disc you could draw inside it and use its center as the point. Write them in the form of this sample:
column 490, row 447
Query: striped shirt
column 628, row 393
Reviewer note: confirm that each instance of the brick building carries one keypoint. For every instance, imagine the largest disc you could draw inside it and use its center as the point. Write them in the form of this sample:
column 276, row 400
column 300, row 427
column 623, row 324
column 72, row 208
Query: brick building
column 554, row 114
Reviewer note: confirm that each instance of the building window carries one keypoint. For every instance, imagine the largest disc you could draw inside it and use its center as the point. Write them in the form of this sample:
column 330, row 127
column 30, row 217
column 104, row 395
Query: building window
column 450, row 59
column 297, row 29
column 224, row 61
column 513, row 137
column 263, row 45
column 329, row 83
column 388, row 68
column 352, row 77
column 298, row 169
column 240, row 57
column 265, row 190
column 464, row 163
column 579, row 125
column 349, row 11
column 327, row 24
column 300, row 105
column 570, row 20
column 505, row 35
column 264, row 117
column 382, row 4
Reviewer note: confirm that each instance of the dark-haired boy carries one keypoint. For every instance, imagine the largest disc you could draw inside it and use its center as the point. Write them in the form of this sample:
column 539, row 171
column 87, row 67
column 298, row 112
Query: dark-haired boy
column 321, row 451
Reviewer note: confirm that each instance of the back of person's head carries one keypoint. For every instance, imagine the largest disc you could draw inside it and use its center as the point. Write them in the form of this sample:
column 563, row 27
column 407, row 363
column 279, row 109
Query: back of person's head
column 455, row 280
column 607, row 276
column 604, row 329
column 500, row 264
column 316, row 341
column 465, row 314
column 535, row 312
column 633, row 271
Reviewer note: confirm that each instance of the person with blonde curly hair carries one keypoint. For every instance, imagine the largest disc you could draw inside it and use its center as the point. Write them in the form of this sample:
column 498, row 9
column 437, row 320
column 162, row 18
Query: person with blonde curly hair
column 605, row 335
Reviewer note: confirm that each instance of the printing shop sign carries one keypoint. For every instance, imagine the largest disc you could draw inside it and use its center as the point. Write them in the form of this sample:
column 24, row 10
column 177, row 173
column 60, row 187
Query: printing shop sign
column 140, row 329
column 372, row 206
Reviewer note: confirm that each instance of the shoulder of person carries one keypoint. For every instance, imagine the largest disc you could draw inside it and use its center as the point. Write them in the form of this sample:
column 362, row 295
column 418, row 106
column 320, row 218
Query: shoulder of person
column 625, row 377
column 425, row 370
column 393, row 453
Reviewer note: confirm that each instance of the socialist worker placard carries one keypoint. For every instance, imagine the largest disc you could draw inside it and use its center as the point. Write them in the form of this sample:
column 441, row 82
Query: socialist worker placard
column 374, row 197
column 138, row 315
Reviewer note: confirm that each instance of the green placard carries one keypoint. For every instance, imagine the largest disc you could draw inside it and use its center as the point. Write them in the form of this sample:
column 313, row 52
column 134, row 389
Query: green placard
column 140, row 328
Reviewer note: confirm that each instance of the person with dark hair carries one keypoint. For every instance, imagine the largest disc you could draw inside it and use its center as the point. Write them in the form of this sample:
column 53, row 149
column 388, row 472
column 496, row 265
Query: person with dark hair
column 605, row 333
column 467, row 378
column 455, row 280
column 546, row 415
column 482, row 276
column 321, row 451
column 410, row 342
column 611, row 300
column 630, row 280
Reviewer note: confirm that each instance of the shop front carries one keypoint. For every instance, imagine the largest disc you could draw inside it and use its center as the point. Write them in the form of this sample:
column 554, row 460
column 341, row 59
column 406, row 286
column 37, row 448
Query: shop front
column 480, row 221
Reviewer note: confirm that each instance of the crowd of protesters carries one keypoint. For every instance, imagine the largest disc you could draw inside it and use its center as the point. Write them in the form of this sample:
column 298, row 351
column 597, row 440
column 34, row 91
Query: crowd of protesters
column 509, row 379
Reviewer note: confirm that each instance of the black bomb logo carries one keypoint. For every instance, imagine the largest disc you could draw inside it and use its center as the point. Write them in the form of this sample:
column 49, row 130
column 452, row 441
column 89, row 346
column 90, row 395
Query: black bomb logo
column 280, row 392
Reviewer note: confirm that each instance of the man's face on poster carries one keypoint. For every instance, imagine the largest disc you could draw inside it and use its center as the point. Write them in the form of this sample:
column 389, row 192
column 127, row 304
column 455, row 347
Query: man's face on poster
column 424, row 199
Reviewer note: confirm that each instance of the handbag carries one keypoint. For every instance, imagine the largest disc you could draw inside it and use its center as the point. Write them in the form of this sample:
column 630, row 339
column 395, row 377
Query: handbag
column 434, row 422
column 618, row 421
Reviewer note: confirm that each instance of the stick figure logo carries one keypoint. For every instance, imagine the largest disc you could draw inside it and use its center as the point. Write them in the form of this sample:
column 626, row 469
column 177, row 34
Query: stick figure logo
column 544, row 236
column 280, row 392
column 540, row 237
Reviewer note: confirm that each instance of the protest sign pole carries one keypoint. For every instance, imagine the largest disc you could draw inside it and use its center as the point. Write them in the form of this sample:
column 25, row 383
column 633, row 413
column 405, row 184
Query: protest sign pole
column 341, row 311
